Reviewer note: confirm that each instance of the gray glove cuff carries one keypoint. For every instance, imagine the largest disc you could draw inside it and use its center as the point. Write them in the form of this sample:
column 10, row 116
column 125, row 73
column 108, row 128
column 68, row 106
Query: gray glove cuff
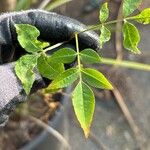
column 11, row 91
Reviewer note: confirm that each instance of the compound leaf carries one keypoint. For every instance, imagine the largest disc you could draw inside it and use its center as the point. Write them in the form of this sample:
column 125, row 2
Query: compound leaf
column 49, row 69
column 104, row 36
column 64, row 55
column 27, row 37
column 24, row 71
column 89, row 56
column 84, row 105
column 64, row 79
column 129, row 6
column 144, row 16
column 131, row 37
column 104, row 12
column 95, row 78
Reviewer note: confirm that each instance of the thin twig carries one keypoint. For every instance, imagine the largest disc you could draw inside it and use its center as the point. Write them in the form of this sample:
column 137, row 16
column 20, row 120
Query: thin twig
column 51, row 130
column 118, row 42
column 128, row 117
column 44, row 4
column 97, row 141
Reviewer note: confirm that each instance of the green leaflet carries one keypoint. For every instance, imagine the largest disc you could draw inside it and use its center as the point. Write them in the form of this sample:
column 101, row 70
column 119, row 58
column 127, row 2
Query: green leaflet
column 104, row 13
column 129, row 6
column 89, row 56
column 49, row 69
column 95, row 78
column 65, row 55
column 64, row 79
column 24, row 71
column 104, row 36
column 27, row 37
column 143, row 17
column 84, row 105
column 131, row 37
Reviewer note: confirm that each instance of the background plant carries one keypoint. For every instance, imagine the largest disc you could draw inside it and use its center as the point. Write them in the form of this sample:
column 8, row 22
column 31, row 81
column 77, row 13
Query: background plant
column 52, row 67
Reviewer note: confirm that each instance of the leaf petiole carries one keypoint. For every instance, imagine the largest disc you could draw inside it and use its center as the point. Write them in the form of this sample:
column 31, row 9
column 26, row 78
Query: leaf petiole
column 98, row 26
column 125, row 63
column 78, row 56
column 53, row 47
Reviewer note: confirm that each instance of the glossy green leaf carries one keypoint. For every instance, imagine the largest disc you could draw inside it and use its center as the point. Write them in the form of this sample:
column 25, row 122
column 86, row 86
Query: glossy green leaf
column 84, row 105
column 27, row 37
column 24, row 71
column 129, row 6
column 64, row 79
column 90, row 56
column 104, row 13
column 144, row 16
column 49, row 69
column 65, row 55
column 131, row 37
column 95, row 78
column 104, row 36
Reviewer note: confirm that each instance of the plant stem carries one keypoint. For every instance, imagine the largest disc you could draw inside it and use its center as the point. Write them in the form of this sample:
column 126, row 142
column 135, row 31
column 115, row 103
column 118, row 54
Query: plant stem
column 140, row 139
column 118, row 35
column 93, row 27
column 53, row 47
column 98, row 26
column 128, row 64
column 51, row 131
column 78, row 56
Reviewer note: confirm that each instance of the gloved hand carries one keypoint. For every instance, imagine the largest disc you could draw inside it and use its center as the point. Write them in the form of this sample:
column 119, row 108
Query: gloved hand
column 54, row 28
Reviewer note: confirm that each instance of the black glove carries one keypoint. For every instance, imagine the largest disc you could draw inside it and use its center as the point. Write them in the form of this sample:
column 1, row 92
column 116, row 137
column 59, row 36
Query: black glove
column 54, row 28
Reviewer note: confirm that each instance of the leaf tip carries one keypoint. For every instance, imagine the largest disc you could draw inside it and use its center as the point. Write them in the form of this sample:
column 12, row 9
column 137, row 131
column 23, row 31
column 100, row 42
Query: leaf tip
column 16, row 27
column 26, row 91
column 86, row 132
column 138, row 52
column 109, row 86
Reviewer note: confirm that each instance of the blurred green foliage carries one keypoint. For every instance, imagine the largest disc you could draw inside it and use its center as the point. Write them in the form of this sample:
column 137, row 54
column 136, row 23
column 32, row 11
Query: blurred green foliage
column 56, row 3
column 23, row 4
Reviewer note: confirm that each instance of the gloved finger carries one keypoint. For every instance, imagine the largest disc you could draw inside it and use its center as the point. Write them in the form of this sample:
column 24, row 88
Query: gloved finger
column 11, row 90
column 53, row 28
